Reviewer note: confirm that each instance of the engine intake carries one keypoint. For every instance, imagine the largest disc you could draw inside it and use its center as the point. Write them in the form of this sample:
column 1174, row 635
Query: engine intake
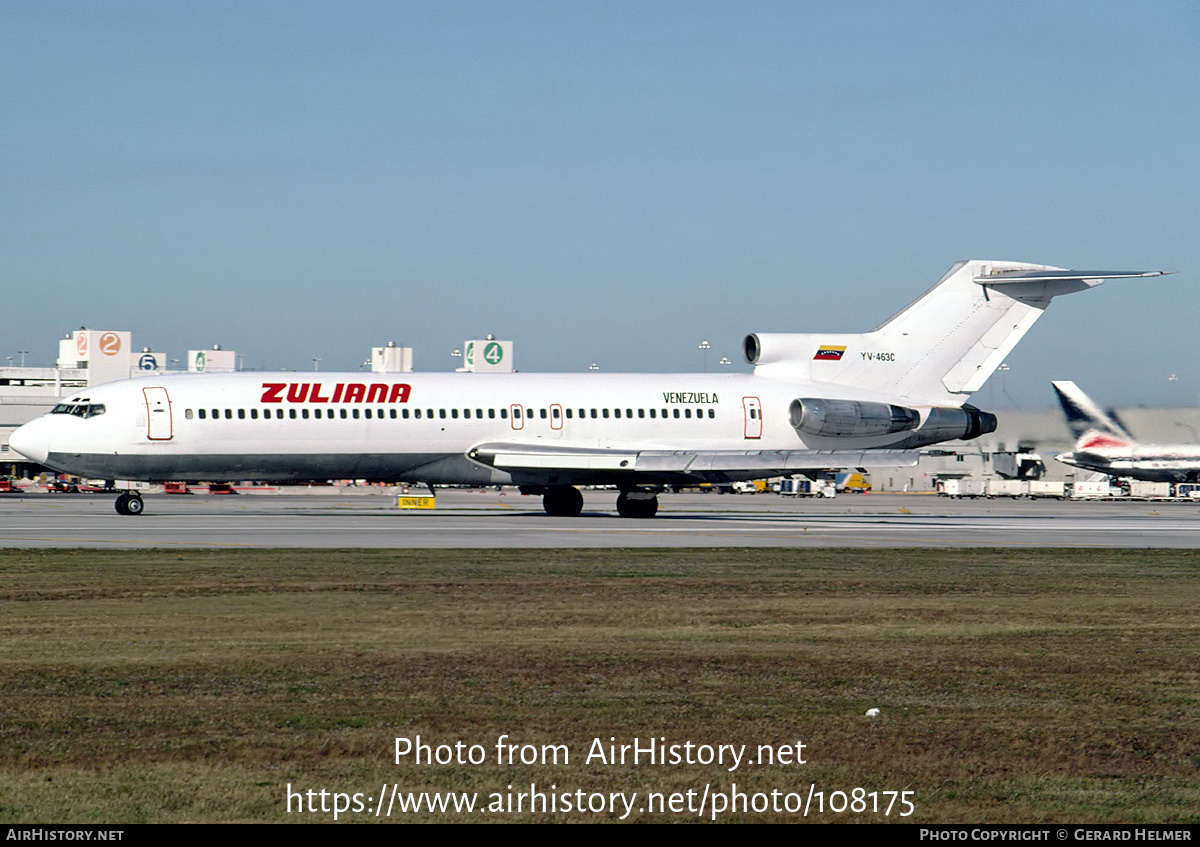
column 766, row 348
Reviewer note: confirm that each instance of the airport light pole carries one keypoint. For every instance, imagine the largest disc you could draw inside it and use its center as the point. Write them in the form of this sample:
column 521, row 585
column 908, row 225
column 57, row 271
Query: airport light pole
column 705, row 346
column 22, row 352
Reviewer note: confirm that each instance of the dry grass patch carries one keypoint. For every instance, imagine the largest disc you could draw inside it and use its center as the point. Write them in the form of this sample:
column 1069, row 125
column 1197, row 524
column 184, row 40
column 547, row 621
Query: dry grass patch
column 1015, row 685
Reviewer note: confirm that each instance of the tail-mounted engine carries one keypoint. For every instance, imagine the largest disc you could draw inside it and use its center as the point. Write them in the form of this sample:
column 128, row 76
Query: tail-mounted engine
column 963, row 423
column 766, row 348
column 850, row 418
column 858, row 419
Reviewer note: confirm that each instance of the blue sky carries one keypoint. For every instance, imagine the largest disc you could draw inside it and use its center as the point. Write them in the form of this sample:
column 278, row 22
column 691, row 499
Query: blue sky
column 600, row 182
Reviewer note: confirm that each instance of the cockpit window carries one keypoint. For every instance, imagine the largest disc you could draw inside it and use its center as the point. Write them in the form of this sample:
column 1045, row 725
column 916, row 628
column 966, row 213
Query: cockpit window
column 80, row 410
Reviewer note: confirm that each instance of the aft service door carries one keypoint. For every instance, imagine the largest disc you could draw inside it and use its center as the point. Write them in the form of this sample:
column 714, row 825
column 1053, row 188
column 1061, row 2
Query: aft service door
column 158, row 414
column 752, row 409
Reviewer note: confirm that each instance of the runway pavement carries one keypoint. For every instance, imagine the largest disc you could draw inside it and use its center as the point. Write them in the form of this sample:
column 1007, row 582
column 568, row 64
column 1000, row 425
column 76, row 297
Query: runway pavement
column 482, row 519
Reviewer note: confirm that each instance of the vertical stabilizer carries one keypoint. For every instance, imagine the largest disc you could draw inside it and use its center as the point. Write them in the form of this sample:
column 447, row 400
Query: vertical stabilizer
column 1084, row 417
column 942, row 347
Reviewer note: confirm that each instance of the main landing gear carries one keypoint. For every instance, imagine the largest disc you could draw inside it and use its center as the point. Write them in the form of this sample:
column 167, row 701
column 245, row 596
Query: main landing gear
column 562, row 501
column 637, row 503
column 565, row 501
column 130, row 504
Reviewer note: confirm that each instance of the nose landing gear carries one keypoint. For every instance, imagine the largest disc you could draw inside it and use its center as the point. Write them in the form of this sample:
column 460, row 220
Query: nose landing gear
column 130, row 504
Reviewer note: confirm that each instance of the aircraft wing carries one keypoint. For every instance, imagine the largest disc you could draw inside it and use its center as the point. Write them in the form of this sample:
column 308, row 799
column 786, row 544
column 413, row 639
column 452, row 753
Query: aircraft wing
column 525, row 458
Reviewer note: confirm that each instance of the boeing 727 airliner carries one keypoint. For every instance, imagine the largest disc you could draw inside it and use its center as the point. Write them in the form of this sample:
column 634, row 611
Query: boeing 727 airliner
column 814, row 401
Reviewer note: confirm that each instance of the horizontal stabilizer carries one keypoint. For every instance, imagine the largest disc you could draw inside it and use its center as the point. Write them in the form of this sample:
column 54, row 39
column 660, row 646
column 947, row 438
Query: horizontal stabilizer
column 1003, row 277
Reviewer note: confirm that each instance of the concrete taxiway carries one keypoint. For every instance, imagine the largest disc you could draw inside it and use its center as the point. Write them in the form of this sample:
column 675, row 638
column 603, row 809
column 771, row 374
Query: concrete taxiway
column 485, row 519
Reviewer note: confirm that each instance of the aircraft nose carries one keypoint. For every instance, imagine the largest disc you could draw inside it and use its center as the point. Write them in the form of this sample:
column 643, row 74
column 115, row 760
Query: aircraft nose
column 31, row 441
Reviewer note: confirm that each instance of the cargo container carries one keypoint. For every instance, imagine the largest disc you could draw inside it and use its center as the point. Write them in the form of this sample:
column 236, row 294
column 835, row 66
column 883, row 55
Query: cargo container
column 963, row 488
column 1007, row 488
column 1095, row 490
column 1046, row 488
column 1149, row 490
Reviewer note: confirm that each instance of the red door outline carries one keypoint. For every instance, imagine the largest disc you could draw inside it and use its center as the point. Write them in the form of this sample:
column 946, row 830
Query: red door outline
column 516, row 417
column 752, row 409
column 159, row 424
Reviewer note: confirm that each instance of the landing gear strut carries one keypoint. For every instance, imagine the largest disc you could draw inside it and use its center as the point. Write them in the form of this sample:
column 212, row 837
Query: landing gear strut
column 637, row 503
column 562, row 501
column 130, row 504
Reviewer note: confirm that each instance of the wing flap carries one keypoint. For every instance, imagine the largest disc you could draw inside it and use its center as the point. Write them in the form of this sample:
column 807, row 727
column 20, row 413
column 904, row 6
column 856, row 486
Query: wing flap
column 789, row 461
column 513, row 457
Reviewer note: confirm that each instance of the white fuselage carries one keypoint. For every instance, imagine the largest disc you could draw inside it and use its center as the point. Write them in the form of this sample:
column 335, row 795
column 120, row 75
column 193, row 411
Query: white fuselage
column 815, row 400
column 1149, row 462
column 413, row 427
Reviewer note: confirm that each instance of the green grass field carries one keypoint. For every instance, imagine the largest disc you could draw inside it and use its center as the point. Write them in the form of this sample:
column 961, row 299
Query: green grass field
column 1014, row 685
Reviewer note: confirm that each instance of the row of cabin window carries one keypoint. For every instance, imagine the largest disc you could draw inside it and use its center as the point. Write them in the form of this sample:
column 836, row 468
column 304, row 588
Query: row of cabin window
column 641, row 413
column 553, row 413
